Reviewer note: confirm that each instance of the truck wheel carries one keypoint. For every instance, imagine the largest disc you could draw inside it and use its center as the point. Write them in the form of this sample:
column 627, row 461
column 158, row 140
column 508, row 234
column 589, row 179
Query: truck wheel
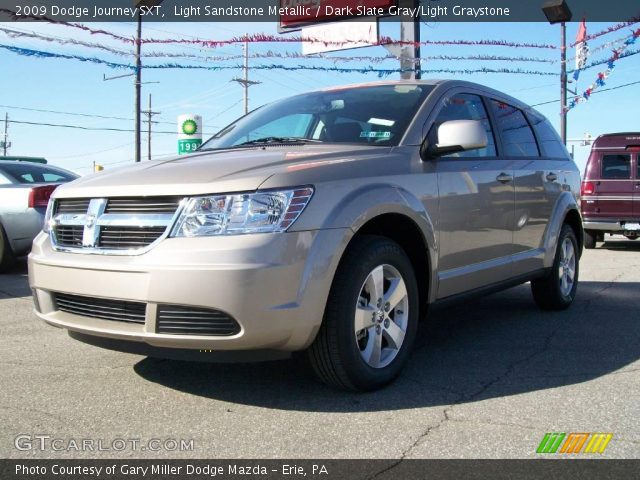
column 557, row 290
column 370, row 319
column 631, row 237
column 7, row 259
column 590, row 239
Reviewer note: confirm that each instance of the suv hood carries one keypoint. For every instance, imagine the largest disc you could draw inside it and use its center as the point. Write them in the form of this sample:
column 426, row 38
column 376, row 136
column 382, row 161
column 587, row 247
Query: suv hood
column 241, row 169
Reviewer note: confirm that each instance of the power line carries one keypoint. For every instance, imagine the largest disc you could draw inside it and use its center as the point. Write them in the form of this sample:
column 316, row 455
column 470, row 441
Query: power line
column 130, row 160
column 76, row 114
column 89, row 154
column 81, row 127
column 592, row 93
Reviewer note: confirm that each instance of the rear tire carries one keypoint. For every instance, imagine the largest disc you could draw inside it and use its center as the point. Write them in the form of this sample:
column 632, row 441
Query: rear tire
column 631, row 237
column 590, row 239
column 363, row 343
column 557, row 290
column 7, row 259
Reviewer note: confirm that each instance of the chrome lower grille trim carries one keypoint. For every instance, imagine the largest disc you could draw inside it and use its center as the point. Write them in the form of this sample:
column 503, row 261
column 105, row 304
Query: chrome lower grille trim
column 183, row 320
column 103, row 308
column 129, row 237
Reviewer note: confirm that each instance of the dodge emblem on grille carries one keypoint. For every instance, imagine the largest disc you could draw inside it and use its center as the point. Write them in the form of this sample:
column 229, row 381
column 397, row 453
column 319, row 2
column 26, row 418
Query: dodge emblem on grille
column 90, row 221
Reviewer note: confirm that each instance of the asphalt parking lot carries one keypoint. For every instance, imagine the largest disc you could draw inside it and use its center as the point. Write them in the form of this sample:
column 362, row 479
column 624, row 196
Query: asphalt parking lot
column 487, row 380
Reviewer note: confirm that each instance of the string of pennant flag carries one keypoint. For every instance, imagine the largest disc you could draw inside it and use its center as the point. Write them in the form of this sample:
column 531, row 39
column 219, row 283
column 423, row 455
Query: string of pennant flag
column 269, row 38
column 611, row 29
column 621, row 49
column 268, row 54
column 381, row 72
column 294, row 55
column 618, row 53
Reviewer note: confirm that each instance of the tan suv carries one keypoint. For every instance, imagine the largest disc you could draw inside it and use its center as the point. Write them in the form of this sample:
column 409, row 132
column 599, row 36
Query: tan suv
column 325, row 222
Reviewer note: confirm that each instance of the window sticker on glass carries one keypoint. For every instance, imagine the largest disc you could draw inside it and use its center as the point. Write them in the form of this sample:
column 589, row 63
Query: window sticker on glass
column 382, row 121
column 375, row 134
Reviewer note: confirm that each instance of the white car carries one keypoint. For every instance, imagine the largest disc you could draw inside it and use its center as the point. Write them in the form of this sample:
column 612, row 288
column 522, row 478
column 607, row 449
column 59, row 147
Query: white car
column 25, row 189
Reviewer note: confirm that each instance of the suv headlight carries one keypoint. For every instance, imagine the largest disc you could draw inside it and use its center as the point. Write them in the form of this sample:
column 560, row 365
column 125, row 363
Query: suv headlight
column 259, row 212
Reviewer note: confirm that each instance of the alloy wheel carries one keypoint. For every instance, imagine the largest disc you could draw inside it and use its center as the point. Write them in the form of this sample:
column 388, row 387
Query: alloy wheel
column 381, row 319
column 567, row 266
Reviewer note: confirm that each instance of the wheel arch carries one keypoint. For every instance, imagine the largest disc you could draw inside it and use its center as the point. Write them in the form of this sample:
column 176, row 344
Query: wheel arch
column 374, row 210
column 405, row 232
column 566, row 211
column 574, row 220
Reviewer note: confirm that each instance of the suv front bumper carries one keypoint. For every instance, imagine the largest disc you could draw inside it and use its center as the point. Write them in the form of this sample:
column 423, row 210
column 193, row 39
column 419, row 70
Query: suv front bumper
column 275, row 286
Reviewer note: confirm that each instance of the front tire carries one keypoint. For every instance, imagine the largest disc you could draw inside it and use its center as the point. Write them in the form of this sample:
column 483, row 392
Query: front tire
column 371, row 317
column 557, row 290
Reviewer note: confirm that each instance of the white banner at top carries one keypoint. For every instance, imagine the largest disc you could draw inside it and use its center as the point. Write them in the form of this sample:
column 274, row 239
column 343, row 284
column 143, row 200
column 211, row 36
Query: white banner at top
column 330, row 37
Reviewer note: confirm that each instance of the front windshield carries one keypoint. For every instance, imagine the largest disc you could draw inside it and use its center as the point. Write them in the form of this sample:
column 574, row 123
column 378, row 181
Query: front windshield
column 372, row 115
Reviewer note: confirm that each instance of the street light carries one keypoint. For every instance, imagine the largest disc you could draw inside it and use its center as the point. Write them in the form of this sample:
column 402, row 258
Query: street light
column 557, row 11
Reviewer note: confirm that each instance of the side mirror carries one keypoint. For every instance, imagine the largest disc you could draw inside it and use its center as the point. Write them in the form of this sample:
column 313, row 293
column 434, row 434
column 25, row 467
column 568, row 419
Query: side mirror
column 455, row 136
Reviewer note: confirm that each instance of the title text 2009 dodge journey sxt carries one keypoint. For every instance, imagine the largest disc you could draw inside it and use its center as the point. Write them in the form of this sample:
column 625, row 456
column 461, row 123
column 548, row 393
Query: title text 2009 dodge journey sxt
column 325, row 222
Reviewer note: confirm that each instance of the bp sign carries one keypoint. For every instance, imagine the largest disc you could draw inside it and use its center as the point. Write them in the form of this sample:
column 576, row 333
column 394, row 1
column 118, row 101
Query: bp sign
column 189, row 133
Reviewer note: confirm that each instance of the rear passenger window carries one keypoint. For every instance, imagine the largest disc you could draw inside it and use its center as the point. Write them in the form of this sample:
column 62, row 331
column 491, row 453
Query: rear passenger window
column 616, row 167
column 465, row 107
column 517, row 137
column 53, row 177
column 550, row 141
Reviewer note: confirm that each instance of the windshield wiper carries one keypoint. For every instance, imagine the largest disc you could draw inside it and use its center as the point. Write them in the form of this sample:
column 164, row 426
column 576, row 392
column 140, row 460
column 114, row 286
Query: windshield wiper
column 270, row 140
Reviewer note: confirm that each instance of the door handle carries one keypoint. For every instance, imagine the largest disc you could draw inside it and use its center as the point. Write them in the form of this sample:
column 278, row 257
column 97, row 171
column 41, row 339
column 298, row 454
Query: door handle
column 552, row 177
column 504, row 178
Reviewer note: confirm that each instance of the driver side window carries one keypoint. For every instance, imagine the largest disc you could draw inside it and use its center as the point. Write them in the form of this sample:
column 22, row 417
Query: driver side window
column 464, row 106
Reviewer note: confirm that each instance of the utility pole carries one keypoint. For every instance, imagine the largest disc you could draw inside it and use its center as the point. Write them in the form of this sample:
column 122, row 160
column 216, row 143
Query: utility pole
column 149, row 113
column 410, row 40
column 6, row 143
column 557, row 11
column 408, row 49
column 563, row 82
column 245, row 82
column 138, row 79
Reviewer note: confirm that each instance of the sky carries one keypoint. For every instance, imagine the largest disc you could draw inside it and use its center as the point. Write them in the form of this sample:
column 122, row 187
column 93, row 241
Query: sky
column 80, row 87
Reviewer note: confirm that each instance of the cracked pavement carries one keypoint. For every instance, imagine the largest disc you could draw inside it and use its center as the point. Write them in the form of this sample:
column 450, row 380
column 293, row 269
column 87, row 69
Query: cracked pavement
column 487, row 379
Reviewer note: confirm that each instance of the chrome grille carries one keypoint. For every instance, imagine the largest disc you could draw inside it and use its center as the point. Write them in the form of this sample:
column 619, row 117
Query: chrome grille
column 103, row 308
column 72, row 205
column 137, row 205
column 69, row 235
column 115, row 226
column 129, row 238
column 181, row 320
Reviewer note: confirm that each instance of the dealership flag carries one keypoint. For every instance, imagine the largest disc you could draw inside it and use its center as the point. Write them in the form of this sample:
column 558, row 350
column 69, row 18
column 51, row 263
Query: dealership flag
column 582, row 49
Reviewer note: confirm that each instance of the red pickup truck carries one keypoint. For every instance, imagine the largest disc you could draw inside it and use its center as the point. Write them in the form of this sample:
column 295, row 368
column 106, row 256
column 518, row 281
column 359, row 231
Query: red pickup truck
column 611, row 188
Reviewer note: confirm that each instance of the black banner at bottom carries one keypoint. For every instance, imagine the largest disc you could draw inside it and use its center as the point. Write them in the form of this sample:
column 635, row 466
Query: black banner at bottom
column 318, row 469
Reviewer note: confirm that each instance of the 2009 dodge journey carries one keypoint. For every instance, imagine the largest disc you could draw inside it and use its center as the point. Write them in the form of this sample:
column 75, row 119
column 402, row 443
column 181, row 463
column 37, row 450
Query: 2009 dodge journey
column 325, row 222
